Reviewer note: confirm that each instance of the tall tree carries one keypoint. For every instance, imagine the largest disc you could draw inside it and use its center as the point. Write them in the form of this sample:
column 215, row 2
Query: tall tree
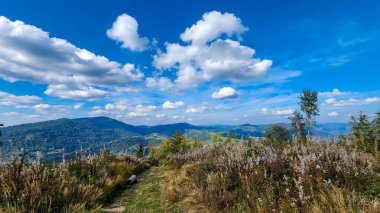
column 309, row 105
column 298, row 125
column 1, row 144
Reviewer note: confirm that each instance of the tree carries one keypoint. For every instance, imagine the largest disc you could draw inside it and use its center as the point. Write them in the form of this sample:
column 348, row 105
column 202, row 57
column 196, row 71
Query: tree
column 215, row 138
column 177, row 144
column 229, row 139
column 277, row 136
column 140, row 151
column 237, row 137
column 196, row 143
column 376, row 126
column 309, row 105
column 1, row 144
column 363, row 133
column 152, row 152
column 298, row 125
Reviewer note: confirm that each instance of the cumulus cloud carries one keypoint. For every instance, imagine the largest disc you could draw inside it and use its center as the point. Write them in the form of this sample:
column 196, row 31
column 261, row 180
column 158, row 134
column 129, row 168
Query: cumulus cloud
column 333, row 93
column 264, row 110
column 7, row 99
column 28, row 53
column 225, row 93
column 78, row 105
column 284, row 112
column 207, row 57
column 213, row 25
column 172, row 105
column 371, row 100
column 333, row 114
column 141, row 111
column 119, row 107
column 196, row 109
column 340, row 103
column 54, row 110
column 125, row 31
column 162, row 83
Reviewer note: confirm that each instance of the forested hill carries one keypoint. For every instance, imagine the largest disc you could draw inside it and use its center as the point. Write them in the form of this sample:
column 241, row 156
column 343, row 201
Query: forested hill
column 52, row 138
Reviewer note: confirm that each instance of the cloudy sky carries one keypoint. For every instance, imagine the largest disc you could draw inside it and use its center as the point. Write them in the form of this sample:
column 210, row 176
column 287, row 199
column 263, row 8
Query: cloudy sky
column 202, row 62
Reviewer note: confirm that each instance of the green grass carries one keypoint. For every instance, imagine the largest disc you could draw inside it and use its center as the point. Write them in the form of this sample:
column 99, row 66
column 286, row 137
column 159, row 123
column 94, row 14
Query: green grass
column 146, row 196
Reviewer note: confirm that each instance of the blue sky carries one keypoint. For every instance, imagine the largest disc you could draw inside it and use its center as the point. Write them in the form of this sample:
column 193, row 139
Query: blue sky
column 202, row 62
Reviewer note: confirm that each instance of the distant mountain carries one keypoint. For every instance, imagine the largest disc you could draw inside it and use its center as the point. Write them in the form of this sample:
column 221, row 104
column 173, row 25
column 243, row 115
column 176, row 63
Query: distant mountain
column 170, row 129
column 55, row 137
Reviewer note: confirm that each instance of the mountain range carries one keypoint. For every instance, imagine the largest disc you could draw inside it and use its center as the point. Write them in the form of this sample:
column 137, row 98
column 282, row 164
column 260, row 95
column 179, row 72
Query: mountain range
column 68, row 137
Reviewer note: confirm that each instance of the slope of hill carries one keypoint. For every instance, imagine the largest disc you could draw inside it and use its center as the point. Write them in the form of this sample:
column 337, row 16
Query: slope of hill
column 55, row 137
column 70, row 135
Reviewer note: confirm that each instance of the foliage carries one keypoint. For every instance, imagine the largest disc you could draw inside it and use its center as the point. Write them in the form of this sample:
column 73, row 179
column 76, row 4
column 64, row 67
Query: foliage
column 298, row 125
column 140, row 151
column 309, row 105
column 177, row 144
column 277, row 136
column 196, row 143
column 365, row 133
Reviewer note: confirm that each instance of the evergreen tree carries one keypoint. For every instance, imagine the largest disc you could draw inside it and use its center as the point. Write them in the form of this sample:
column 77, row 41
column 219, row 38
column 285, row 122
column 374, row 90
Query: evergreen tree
column 229, row 139
column 237, row 137
column 309, row 105
column 363, row 133
column 140, row 151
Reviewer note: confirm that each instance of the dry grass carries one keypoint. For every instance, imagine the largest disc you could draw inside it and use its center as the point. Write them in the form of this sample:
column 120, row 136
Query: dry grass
column 73, row 186
column 254, row 177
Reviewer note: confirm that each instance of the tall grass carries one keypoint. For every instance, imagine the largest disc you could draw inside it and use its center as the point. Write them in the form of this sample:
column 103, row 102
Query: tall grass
column 255, row 177
column 72, row 186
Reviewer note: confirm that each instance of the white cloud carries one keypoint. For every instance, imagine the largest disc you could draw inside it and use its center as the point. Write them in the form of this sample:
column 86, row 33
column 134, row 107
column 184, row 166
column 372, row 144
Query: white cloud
column 284, row 112
column 213, row 25
column 160, row 115
column 333, row 93
column 125, row 30
column 78, row 105
column 225, row 93
column 200, row 61
column 162, row 83
column 196, row 109
column 98, row 112
column 371, row 100
column 76, row 92
column 330, row 101
column 119, row 107
column 141, row 111
column 264, row 110
column 7, row 99
column 10, row 113
column 333, row 114
column 53, row 110
column 340, row 103
column 172, row 105
column 28, row 53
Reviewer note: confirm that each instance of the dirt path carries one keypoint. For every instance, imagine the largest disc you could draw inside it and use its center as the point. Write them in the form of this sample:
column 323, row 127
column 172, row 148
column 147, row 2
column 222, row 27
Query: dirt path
column 145, row 196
